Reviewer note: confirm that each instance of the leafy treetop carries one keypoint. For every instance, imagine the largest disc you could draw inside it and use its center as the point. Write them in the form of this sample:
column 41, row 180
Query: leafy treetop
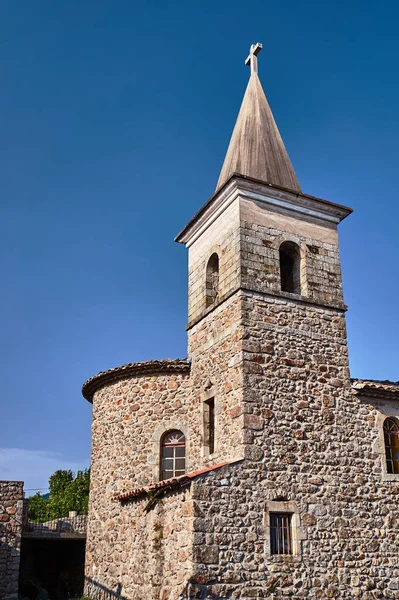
column 67, row 492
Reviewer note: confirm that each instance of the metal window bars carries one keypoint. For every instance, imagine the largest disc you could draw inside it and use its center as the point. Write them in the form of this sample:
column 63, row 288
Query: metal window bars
column 280, row 533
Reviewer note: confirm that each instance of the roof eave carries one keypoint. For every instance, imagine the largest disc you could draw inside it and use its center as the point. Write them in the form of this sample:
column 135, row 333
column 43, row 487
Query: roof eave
column 239, row 182
column 139, row 369
column 372, row 388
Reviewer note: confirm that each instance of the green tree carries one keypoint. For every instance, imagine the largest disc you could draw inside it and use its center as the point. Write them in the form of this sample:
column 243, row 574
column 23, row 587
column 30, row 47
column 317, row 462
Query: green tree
column 37, row 509
column 67, row 492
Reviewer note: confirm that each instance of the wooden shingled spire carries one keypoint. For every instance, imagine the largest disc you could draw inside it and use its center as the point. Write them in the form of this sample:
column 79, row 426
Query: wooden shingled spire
column 256, row 148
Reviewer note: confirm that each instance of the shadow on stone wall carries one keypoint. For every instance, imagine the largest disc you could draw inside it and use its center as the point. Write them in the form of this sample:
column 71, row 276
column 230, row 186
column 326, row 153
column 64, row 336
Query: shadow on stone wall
column 97, row 591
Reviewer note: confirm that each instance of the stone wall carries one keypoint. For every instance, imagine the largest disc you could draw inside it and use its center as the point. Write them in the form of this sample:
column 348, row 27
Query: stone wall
column 222, row 237
column 129, row 418
column 127, row 548
column 309, row 442
column 247, row 240
column 261, row 234
column 278, row 369
column 215, row 348
column 11, row 516
column 276, row 365
column 137, row 553
column 62, row 525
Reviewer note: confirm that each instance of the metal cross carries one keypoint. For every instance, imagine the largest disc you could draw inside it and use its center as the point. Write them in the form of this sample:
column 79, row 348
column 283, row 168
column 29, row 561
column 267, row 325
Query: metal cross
column 252, row 58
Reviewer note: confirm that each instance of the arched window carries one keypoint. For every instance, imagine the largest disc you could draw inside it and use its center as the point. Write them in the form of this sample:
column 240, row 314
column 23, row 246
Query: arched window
column 212, row 280
column 290, row 268
column 391, row 437
column 173, row 454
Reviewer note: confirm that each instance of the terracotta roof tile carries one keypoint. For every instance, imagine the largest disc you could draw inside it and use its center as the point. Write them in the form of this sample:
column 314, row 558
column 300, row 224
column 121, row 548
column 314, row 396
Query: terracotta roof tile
column 173, row 482
column 376, row 388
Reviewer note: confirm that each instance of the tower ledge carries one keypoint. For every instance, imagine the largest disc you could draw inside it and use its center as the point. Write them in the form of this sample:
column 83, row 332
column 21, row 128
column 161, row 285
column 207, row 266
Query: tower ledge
column 275, row 197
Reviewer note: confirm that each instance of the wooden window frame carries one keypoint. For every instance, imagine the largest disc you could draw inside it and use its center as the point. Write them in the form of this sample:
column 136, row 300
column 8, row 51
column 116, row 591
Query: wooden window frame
column 385, row 410
column 183, row 444
column 391, row 463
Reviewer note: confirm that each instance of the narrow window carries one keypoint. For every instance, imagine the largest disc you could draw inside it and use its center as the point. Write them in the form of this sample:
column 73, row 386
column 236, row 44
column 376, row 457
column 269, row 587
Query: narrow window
column 391, row 436
column 173, row 454
column 212, row 280
column 290, row 268
column 280, row 533
column 209, row 425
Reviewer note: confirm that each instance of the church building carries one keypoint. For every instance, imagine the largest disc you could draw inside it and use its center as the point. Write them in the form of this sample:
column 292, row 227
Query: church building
column 255, row 468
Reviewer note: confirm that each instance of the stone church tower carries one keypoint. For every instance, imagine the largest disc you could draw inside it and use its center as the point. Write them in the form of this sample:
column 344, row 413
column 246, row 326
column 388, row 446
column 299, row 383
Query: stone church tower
column 256, row 468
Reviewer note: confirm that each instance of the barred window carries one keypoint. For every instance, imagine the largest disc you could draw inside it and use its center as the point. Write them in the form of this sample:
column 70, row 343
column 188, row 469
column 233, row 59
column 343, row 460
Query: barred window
column 391, row 437
column 280, row 533
column 173, row 454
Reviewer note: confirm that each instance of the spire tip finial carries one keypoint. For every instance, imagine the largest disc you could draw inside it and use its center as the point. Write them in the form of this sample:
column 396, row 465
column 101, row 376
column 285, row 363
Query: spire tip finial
column 252, row 60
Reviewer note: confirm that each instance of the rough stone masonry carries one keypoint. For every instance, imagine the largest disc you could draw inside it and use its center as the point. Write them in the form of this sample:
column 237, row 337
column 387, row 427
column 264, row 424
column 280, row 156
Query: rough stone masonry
column 11, row 517
column 294, row 436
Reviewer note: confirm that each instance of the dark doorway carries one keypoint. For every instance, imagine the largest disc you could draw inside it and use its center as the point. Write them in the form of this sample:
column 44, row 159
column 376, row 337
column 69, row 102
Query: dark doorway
column 52, row 566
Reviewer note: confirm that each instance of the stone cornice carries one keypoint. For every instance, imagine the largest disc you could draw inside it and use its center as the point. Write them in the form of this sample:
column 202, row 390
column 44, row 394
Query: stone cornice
column 295, row 203
column 139, row 369
column 337, row 306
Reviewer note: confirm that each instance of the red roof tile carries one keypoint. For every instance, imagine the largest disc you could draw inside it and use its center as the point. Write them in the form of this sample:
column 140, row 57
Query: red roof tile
column 173, row 482
column 376, row 388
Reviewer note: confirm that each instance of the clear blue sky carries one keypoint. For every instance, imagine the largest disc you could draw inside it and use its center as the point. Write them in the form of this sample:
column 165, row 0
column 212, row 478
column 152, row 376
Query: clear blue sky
column 115, row 117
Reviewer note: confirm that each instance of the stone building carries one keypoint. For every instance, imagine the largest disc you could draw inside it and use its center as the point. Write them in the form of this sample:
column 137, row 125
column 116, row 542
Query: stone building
column 11, row 518
column 256, row 468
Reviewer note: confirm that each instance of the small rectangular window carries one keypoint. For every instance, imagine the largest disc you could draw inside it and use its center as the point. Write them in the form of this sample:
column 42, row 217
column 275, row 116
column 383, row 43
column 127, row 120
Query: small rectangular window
column 209, row 425
column 280, row 533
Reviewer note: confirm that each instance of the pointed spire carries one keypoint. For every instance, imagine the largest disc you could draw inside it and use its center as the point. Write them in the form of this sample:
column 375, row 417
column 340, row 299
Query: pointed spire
column 256, row 148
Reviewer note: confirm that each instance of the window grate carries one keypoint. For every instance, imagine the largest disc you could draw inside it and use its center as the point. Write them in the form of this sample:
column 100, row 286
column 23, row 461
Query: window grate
column 280, row 533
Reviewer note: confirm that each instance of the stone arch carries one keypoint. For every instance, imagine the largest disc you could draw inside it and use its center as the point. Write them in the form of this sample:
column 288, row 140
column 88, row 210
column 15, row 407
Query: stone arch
column 290, row 267
column 156, row 441
column 172, row 454
column 388, row 412
column 292, row 263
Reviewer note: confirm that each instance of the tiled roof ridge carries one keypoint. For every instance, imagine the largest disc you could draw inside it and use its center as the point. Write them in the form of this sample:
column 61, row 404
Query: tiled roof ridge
column 376, row 388
column 172, row 482
column 374, row 381
column 177, row 365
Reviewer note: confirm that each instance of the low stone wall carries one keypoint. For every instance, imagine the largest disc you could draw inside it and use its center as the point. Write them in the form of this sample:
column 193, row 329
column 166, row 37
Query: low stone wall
column 11, row 517
column 65, row 525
